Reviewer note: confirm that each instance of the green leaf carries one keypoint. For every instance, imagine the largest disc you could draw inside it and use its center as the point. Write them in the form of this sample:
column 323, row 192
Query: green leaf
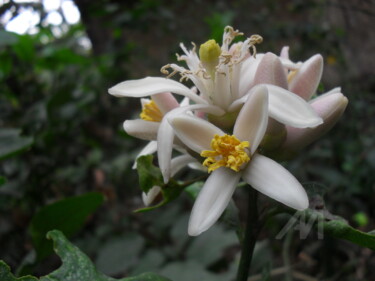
column 11, row 143
column 2, row 180
column 149, row 174
column 78, row 267
column 342, row 230
column 67, row 215
column 6, row 275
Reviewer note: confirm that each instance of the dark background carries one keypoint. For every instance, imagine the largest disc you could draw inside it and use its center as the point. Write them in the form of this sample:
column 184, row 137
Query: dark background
column 55, row 91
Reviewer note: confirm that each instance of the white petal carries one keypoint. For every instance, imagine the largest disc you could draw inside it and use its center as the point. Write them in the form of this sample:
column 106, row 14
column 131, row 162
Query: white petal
column 290, row 109
column 152, row 85
column 248, row 70
column 252, row 120
column 141, row 129
column 212, row 199
column 180, row 162
column 194, row 132
column 273, row 180
column 151, row 195
column 150, row 148
column 166, row 135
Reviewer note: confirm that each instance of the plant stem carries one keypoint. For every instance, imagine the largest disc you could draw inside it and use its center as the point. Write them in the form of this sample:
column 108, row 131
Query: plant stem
column 251, row 233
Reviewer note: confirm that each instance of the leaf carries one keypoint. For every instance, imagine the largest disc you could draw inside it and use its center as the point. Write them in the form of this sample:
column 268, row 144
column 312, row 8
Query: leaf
column 342, row 230
column 11, row 143
column 149, row 174
column 78, row 267
column 6, row 275
column 2, row 180
column 67, row 215
column 7, row 38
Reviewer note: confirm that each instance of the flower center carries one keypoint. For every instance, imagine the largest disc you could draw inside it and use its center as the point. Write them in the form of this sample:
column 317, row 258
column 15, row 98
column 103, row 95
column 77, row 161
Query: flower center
column 151, row 112
column 227, row 151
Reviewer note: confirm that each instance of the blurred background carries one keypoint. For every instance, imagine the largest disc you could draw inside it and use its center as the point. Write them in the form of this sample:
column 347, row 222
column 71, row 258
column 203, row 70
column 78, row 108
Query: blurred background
column 59, row 57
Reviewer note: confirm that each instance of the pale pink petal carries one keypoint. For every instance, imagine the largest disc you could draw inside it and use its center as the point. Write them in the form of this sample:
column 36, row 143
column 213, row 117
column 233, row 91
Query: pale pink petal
column 247, row 74
column 285, row 52
column 251, row 123
column 165, row 102
column 330, row 107
column 271, row 71
column 153, row 85
column 273, row 180
column 212, row 200
column 141, row 129
column 307, row 79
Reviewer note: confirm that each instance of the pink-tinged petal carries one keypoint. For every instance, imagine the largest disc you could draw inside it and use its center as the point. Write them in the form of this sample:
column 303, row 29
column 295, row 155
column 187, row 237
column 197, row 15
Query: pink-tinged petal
column 153, row 85
column 290, row 109
column 141, row 129
column 165, row 102
column 251, row 123
column 150, row 196
column 307, row 78
column 273, row 180
column 194, row 132
column 330, row 107
column 212, row 200
column 150, row 148
column 284, row 52
column 271, row 71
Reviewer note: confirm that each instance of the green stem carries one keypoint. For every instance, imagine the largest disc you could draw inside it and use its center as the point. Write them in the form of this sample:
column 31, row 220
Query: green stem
column 251, row 233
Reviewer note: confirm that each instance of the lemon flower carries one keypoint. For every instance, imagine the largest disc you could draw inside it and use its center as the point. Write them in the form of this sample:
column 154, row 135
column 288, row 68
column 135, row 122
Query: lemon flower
column 230, row 157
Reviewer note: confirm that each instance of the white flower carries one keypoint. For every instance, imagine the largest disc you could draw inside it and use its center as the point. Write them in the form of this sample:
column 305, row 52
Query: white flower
column 233, row 157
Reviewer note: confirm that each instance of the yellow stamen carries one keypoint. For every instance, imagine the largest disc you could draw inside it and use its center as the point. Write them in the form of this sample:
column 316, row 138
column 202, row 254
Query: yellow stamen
column 151, row 112
column 228, row 151
column 291, row 75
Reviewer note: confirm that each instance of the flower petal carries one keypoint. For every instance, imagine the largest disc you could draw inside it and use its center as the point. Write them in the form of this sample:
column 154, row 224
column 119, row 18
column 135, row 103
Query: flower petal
column 141, row 129
column 153, row 85
column 307, row 79
column 212, row 200
column 150, row 196
column 271, row 71
column 150, row 148
column 180, row 162
column 330, row 107
column 290, row 109
column 194, row 132
column 273, row 180
column 165, row 102
column 251, row 123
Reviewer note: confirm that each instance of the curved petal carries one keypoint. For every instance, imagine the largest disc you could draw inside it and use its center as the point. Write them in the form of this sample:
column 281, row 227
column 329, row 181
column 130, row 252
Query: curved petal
column 165, row 102
column 152, row 85
column 307, row 78
column 150, row 196
column 271, row 71
column 150, row 148
column 165, row 135
column 251, row 123
column 194, row 132
column 180, row 162
column 248, row 69
column 141, row 129
column 330, row 107
column 273, row 180
column 290, row 109
column 212, row 200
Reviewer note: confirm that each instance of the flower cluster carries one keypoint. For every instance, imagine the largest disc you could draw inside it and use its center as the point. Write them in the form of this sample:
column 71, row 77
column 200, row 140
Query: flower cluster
column 244, row 109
